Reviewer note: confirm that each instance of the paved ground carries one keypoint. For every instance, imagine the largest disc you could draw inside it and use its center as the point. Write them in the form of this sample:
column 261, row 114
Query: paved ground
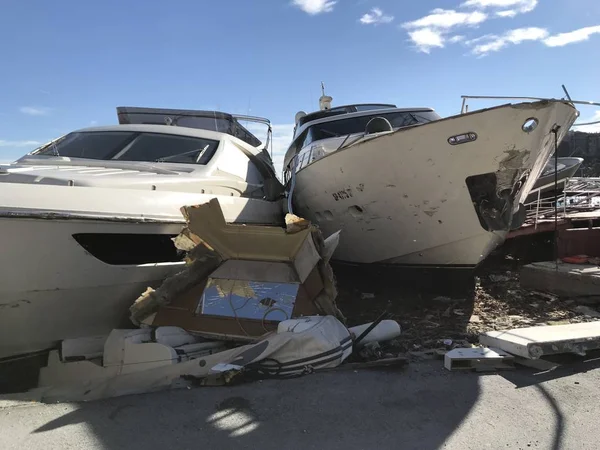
column 421, row 407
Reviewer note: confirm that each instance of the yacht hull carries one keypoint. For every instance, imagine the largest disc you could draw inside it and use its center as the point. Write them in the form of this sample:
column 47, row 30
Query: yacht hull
column 51, row 288
column 55, row 286
column 405, row 198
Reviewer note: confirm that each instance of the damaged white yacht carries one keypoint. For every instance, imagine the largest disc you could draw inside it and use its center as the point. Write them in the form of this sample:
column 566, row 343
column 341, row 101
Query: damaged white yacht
column 410, row 188
column 87, row 220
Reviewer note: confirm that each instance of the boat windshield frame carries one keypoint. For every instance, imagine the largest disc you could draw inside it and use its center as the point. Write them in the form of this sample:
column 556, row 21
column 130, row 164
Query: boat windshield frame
column 122, row 142
column 345, row 109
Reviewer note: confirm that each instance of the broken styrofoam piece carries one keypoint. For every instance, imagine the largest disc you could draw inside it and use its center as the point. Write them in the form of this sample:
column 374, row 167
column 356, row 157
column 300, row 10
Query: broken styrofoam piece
column 477, row 358
column 325, row 345
column 383, row 331
column 534, row 342
column 125, row 351
column 174, row 336
column 82, row 348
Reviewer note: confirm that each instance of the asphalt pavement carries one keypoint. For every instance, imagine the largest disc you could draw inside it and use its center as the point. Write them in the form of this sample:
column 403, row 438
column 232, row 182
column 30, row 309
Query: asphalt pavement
column 420, row 407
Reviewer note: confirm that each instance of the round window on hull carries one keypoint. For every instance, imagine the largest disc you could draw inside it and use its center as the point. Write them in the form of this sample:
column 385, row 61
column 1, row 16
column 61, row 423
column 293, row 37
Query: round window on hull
column 530, row 124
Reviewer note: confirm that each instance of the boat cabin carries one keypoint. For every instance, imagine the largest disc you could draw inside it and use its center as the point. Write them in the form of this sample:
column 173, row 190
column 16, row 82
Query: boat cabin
column 331, row 129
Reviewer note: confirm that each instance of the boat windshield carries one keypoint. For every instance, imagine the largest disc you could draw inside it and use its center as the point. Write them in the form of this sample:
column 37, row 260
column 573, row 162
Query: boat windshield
column 354, row 125
column 132, row 146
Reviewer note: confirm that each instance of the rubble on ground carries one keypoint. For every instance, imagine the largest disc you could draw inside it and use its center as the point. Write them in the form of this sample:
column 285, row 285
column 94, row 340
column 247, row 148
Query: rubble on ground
column 492, row 300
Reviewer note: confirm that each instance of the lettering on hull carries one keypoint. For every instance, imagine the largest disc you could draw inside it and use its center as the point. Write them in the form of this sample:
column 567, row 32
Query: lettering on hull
column 344, row 194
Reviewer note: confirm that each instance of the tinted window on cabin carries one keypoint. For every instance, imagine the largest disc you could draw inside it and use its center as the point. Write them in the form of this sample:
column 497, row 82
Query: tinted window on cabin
column 133, row 146
column 90, row 145
column 354, row 125
column 169, row 148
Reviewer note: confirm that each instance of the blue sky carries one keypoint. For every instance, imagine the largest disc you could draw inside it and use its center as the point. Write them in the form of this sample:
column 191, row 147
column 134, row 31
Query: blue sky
column 68, row 64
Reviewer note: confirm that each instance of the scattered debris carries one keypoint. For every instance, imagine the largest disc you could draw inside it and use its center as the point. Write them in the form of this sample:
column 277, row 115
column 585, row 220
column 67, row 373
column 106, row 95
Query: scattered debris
column 427, row 320
column 479, row 359
column 547, row 296
column 498, row 278
column 134, row 362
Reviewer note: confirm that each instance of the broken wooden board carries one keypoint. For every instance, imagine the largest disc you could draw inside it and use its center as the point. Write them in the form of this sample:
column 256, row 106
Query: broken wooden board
column 479, row 359
column 534, row 342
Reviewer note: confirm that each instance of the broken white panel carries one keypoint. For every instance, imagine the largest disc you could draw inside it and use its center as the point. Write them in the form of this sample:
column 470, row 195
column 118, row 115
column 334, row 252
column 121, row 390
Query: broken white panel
column 534, row 342
column 477, row 358
column 82, row 348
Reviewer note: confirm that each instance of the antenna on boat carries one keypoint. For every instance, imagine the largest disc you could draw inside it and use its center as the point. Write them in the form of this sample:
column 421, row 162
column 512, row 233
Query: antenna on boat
column 325, row 100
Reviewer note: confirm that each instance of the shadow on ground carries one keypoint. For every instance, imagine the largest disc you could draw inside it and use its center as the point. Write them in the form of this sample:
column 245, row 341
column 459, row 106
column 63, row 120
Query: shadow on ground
column 404, row 409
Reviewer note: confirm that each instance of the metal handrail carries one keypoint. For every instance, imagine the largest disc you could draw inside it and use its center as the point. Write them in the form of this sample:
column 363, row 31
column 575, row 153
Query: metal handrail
column 464, row 108
column 292, row 183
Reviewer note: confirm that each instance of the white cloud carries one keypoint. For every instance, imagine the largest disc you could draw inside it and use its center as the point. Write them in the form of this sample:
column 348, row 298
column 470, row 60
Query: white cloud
column 583, row 34
column 509, row 8
column 19, row 144
column 456, row 39
column 431, row 30
column 595, row 128
column 314, row 7
column 483, row 45
column 376, row 17
column 447, row 19
column 426, row 38
column 494, row 43
column 35, row 110
column 507, row 13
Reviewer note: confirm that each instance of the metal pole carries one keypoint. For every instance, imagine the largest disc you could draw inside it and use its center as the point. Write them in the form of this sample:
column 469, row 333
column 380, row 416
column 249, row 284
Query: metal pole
column 567, row 93
column 293, row 183
column 555, row 131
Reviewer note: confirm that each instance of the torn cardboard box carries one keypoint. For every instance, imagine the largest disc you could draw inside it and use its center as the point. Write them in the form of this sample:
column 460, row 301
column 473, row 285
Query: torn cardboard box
column 242, row 280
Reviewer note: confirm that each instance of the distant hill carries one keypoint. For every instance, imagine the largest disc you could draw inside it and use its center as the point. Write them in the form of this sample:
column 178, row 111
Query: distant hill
column 586, row 146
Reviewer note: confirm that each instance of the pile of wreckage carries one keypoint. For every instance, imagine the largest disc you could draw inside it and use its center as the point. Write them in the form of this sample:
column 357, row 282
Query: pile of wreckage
column 257, row 302
column 252, row 301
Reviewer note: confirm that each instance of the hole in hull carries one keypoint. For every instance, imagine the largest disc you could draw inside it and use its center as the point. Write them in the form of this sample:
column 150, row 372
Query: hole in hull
column 126, row 249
